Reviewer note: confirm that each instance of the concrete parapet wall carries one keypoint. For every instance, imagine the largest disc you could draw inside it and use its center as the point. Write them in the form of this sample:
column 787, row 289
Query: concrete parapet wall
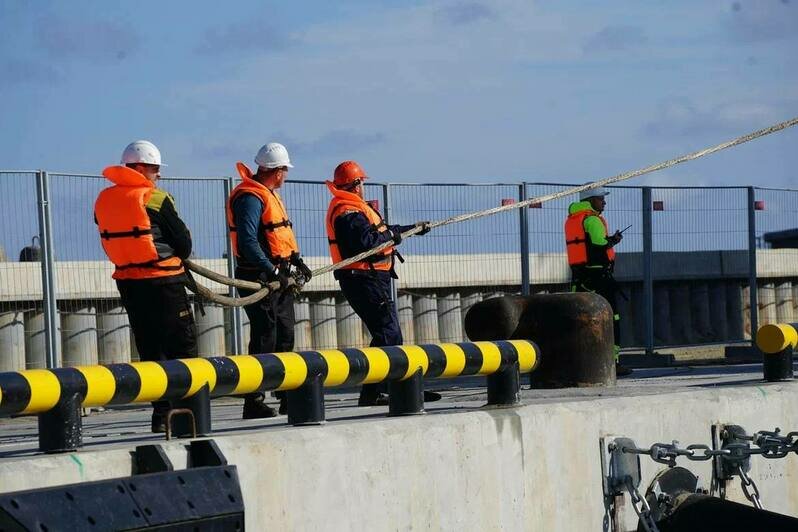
column 534, row 467
column 92, row 279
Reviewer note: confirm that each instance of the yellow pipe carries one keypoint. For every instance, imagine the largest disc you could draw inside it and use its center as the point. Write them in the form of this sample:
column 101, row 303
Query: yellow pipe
column 776, row 337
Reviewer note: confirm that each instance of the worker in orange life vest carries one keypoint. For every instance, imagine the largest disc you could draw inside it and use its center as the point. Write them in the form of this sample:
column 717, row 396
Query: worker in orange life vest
column 353, row 227
column 266, row 250
column 591, row 255
column 144, row 237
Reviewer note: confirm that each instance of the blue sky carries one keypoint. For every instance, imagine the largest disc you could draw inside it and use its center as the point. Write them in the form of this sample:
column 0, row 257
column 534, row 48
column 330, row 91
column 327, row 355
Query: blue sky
column 438, row 91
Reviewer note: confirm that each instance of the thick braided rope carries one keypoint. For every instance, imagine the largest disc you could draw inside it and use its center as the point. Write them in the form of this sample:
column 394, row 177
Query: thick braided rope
column 540, row 199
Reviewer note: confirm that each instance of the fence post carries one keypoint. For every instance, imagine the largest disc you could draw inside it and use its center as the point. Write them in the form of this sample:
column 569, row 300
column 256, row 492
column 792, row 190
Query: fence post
column 236, row 334
column 648, row 277
column 523, row 213
column 52, row 341
column 752, row 290
column 386, row 201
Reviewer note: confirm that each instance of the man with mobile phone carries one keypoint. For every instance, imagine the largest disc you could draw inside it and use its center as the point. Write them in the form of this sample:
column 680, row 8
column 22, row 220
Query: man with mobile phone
column 591, row 255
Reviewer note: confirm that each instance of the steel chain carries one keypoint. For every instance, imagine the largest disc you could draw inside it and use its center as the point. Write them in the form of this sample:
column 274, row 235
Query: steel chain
column 747, row 482
column 768, row 444
column 641, row 507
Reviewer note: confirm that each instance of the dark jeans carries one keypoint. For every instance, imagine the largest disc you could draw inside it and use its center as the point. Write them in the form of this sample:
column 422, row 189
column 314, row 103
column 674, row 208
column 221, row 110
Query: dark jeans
column 601, row 283
column 271, row 322
column 369, row 295
column 161, row 319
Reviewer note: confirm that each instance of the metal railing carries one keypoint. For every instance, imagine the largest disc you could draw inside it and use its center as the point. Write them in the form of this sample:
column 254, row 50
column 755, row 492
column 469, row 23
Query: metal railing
column 689, row 257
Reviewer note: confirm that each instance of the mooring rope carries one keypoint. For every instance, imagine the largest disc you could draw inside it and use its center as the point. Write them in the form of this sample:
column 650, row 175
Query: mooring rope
column 489, row 212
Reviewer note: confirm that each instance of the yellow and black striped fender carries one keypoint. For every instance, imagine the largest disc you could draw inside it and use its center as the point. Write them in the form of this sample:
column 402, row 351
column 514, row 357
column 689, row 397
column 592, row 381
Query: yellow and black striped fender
column 39, row 390
column 776, row 337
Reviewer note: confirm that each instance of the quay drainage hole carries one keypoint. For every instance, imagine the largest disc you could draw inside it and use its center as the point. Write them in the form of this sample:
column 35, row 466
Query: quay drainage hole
column 43, row 528
column 69, row 496
column 15, row 504
column 132, row 487
column 136, row 513
column 227, row 473
column 232, row 499
column 190, row 504
column 180, row 479
column 120, row 489
column 92, row 522
column 147, row 511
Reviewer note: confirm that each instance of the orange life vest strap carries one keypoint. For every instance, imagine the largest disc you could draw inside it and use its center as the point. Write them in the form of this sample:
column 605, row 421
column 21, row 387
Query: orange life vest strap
column 151, row 264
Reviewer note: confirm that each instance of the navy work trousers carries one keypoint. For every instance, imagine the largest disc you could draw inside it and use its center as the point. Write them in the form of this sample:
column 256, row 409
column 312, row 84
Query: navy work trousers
column 369, row 295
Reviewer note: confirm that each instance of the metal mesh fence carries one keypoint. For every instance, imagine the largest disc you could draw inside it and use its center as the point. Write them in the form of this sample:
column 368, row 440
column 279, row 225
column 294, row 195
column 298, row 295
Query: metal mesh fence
column 450, row 269
column 776, row 234
column 699, row 263
column 83, row 278
column 21, row 317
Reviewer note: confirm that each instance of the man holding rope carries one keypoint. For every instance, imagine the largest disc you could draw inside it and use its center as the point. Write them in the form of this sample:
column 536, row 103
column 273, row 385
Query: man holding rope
column 265, row 250
column 591, row 255
column 353, row 226
column 147, row 241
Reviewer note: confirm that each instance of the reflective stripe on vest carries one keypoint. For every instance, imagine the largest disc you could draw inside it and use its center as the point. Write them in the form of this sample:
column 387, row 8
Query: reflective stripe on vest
column 274, row 221
column 127, row 235
column 576, row 238
column 343, row 202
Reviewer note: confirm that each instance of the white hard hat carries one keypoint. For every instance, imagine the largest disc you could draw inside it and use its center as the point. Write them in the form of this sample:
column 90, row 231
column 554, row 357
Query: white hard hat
column 142, row 151
column 273, row 155
column 592, row 193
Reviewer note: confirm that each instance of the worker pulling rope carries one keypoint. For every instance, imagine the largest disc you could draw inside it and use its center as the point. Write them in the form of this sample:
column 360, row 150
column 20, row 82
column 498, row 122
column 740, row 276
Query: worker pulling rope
column 264, row 290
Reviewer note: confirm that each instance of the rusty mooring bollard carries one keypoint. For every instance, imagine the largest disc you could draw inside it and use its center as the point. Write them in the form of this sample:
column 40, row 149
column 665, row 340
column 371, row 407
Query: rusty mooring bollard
column 573, row 331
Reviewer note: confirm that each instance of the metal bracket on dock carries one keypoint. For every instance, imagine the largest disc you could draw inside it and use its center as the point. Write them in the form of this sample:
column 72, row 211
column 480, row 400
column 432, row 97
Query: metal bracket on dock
column 618, row 466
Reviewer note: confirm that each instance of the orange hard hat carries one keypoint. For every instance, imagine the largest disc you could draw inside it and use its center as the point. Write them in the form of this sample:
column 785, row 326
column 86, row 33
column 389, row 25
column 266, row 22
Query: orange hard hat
column 347, row 172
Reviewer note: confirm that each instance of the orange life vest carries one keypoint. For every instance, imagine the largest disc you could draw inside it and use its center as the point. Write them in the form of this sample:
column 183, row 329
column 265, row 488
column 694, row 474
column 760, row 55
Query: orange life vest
column 127, row 235
column 576, row 238
column 274, row 218
column 344, row 202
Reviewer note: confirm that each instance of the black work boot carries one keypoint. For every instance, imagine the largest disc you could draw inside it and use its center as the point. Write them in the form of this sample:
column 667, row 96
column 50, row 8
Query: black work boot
column 371, row 395
column 622, row 371
column 431, row 397
column 256, row 408
column 283, row 403
column 158, row 422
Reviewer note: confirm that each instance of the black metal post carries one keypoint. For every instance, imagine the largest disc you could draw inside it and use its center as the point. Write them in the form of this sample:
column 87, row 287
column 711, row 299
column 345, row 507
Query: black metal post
column 406, row 398
column 236, row 334
column 753, row 299
column 648, row 272
column 61, row 428
column 504, row 386
column 200, row 406
column 778, row 366
column 306, row 403
column 524, row 234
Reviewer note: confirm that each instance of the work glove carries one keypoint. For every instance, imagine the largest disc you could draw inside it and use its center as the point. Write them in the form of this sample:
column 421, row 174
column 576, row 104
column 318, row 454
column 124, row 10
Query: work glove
column 396, row 235
column 276, row 274
column 301, row 268
column 615, row 238
column 425, row 228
